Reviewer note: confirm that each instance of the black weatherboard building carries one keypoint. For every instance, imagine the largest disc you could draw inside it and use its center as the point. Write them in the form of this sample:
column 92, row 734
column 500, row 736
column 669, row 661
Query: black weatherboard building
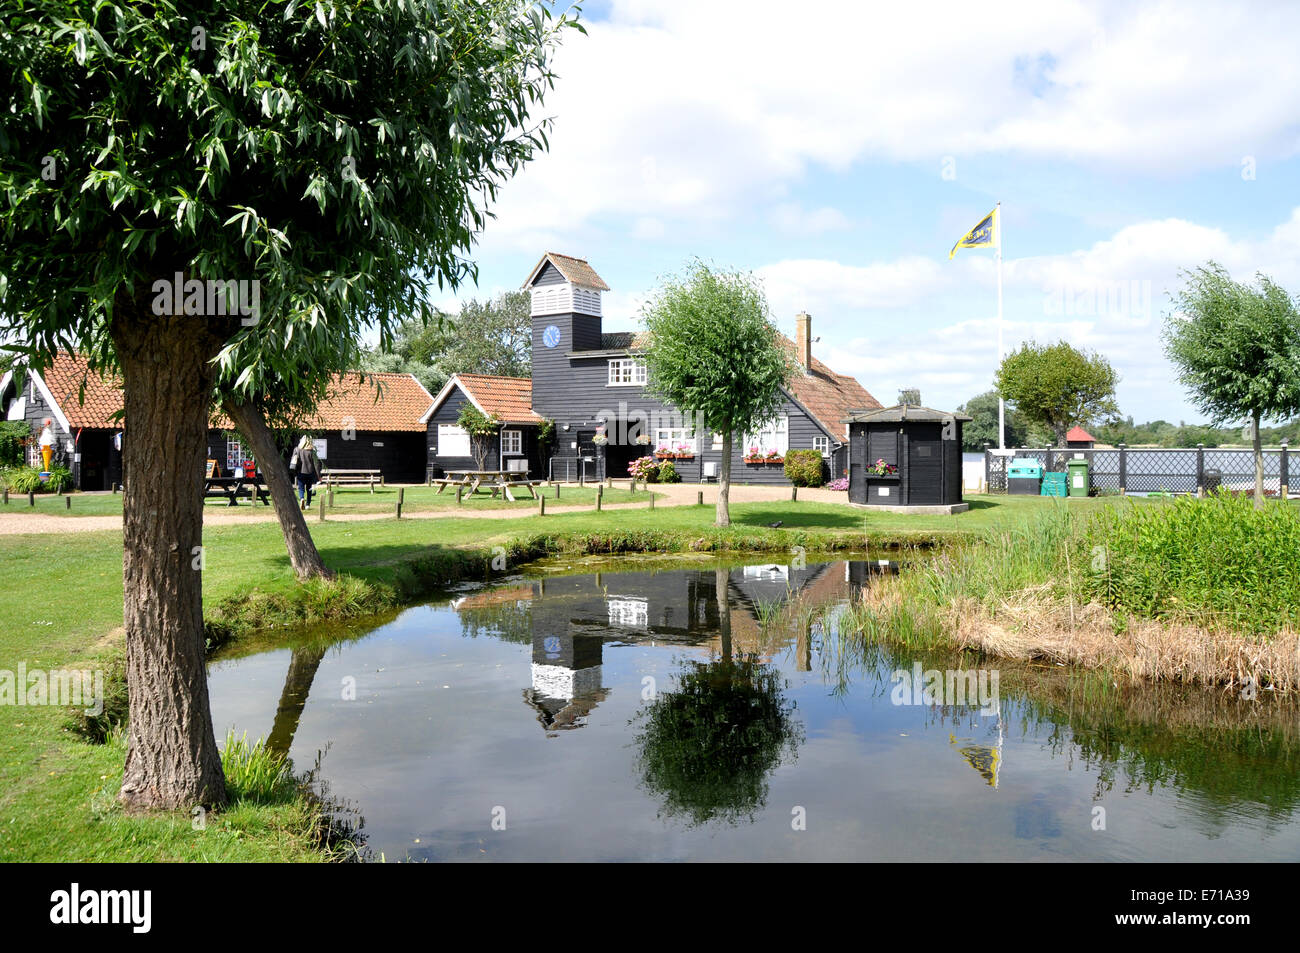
column 923, row 445
column 592, row 384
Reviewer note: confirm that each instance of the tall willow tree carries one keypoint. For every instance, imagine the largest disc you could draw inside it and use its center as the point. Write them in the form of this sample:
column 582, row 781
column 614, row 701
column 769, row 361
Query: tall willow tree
column 716, row 355
column 209, row 192
column 1237, row 350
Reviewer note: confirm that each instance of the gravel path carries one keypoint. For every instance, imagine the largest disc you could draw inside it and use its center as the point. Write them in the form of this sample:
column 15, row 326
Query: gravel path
column 678, row 494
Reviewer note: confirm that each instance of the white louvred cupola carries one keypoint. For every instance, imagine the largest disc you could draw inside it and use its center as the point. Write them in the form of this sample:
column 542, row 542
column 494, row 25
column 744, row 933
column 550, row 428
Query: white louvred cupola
column 561, row 284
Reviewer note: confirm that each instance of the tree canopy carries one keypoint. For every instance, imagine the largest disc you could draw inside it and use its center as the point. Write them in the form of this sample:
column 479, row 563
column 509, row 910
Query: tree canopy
column 1057, row 386
column 1237, row 350
column 485, row 337
column 714, row 353
column 983, row 425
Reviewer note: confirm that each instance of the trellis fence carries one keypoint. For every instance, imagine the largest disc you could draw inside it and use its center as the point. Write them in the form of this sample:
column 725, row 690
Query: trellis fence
column 1152, row 470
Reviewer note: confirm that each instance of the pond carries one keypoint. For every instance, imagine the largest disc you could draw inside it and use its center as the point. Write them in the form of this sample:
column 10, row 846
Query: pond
column 627, row 711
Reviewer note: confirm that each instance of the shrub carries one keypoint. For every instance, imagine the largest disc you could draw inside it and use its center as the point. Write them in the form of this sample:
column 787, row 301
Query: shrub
column 668, row 473
column 14, row 435
column 28, row 480
column 645, row 469
column 1216, row 560
column 804, row 467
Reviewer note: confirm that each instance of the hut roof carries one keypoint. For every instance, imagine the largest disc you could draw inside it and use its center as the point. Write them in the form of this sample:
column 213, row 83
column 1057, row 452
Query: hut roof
column 902, row 412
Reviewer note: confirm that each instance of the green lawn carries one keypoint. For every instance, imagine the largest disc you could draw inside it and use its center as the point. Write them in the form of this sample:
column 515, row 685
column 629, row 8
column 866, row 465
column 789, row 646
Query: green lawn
column 62, row 602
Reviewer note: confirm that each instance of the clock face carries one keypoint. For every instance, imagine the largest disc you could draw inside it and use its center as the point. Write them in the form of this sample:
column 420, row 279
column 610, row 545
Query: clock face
column 551, row 336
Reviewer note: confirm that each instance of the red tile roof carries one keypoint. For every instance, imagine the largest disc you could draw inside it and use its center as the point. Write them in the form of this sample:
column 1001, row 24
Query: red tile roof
column 102, row 397
column 1078, row 433
column 509, row 398
column 387, row 402
column 828, row 396
column 575, row 270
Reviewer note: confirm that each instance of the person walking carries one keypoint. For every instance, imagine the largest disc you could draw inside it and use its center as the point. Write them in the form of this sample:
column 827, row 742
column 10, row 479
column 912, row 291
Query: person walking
column 305, row 467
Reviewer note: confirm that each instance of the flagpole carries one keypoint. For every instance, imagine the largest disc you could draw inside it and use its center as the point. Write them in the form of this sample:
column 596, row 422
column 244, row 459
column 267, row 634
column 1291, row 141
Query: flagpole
column 1002, row 404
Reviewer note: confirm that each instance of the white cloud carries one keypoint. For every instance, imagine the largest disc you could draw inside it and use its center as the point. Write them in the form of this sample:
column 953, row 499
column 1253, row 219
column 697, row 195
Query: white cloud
column 697, row 112
column 1111, row 297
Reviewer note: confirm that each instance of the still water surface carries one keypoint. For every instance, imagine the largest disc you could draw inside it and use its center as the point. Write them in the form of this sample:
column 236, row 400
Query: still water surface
column 633, row 715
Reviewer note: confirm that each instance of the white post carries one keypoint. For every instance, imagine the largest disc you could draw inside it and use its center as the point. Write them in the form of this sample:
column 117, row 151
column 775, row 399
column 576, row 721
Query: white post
column 1002, row 404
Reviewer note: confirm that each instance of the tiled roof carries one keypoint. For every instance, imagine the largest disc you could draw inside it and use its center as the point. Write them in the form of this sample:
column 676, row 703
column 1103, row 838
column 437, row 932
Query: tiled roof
column 101, row 400
column 828, row 396
column 1079, row 434
column 389, row 402
column 575, row 270
column 509, row 398
column 620, row 340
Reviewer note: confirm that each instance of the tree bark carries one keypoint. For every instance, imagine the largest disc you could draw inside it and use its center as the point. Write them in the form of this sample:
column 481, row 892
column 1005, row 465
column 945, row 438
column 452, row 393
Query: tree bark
column 1259, row 461
column 723, row 517
column 303, row 555
column 172, row 761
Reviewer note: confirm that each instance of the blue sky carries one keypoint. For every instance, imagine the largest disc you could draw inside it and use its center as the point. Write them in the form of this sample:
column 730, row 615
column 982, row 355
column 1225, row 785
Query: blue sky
column 839, row 149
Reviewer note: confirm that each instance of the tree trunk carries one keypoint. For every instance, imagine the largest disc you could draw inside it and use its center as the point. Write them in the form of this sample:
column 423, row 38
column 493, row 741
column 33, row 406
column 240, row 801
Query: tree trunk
column 303, row 664
column 724, row 483
column 1259, row 461
column 721, row 578
column 172, row 761
column 306, row 561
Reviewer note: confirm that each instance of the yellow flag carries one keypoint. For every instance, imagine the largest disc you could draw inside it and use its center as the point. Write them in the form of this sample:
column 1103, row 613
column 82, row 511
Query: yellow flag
column 979, row 236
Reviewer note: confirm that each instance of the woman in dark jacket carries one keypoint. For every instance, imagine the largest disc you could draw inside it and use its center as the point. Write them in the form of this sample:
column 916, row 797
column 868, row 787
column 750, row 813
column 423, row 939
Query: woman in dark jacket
column 305, row 467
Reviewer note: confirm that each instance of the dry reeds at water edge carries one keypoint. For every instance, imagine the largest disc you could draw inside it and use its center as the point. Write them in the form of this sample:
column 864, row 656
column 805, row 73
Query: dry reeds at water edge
column 1193, row 591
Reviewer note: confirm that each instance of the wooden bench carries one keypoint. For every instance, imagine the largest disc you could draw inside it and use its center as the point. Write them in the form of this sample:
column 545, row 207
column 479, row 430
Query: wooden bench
column 333, row 478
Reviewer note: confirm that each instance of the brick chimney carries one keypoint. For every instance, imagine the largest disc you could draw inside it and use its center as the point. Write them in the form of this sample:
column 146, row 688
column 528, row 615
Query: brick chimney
column 803, row 340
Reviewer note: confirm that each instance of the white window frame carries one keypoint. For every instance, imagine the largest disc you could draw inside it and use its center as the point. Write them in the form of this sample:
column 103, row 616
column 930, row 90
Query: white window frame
column 453, row 434
column 670, row 437
column 512, row 443
column 774, row 435
column 626, row 372
column 717, row 440
column 822, row 444
column 34, row 455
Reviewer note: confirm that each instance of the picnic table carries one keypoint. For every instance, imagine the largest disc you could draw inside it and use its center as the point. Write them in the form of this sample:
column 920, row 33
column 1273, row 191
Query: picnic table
column 498, row 481
column 333, row 477
column 233, row 487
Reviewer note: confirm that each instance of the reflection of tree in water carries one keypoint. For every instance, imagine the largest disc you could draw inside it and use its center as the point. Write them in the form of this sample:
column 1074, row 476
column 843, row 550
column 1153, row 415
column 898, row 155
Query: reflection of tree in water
column 708, row 747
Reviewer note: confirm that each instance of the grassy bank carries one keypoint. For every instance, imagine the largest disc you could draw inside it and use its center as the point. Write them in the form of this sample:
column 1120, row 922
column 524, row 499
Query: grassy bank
column 1193, row 591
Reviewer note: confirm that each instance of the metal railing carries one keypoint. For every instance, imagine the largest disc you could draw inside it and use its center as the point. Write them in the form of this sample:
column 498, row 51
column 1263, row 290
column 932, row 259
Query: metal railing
column 1153, row 469
column 576, row 469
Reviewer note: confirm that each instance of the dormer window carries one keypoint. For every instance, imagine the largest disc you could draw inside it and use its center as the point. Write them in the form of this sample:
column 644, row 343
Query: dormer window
column 626, row 372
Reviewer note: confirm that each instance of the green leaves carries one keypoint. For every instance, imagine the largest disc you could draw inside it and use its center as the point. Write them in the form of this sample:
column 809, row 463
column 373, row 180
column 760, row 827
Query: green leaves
column 1056, row 386
column 713, row 351
column 335, row 153
column 1236, row 346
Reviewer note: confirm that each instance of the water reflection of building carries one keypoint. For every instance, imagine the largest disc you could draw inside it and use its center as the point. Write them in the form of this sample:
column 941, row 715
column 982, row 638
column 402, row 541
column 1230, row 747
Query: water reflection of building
column 568, row 619
column 566, row 679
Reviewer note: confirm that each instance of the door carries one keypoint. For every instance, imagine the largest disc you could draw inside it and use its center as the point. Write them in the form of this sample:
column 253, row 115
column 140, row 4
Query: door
column 924, row 464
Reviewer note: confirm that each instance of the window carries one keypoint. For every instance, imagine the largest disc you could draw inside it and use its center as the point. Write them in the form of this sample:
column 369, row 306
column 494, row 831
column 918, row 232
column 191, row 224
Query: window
column 34, row 454
column 234, row 455
column 628, row 612
column 717, row 441
column 453, row 441
column 624, row 371
column 771, row 436
column 512, row 441
column 822, row 445
column 675, row 439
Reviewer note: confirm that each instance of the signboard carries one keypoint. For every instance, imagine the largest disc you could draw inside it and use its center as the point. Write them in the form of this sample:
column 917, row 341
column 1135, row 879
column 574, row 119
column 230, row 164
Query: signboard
column 320, row 444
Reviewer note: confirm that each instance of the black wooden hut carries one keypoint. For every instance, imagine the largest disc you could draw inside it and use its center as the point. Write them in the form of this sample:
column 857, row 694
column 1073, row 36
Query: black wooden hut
column 924, row 447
